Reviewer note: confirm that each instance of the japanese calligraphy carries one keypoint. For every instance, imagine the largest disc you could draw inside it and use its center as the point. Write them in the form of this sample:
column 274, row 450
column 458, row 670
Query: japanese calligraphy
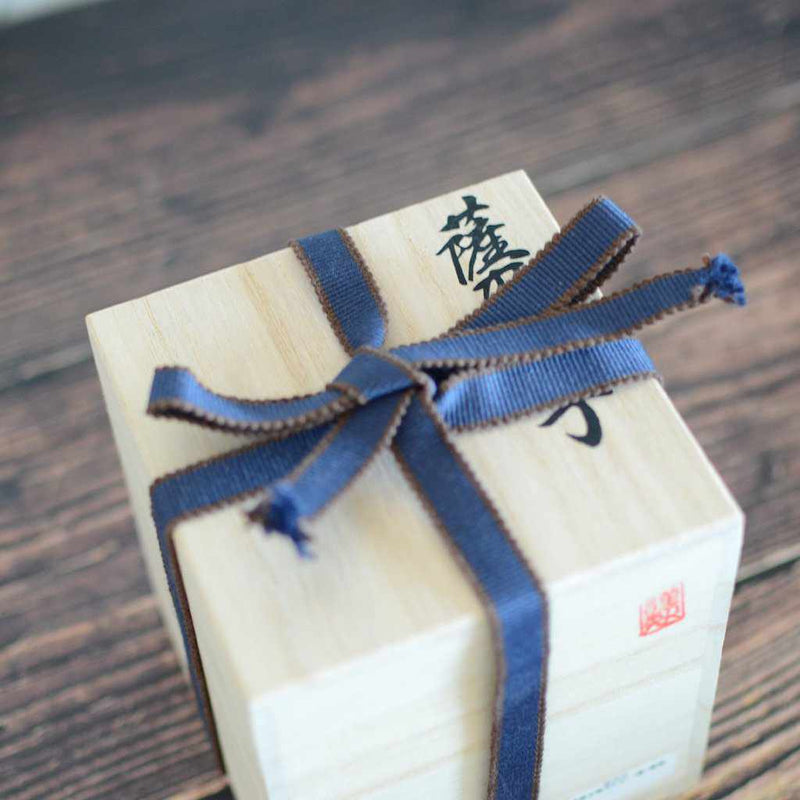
column 594, row 431
column 480, row 255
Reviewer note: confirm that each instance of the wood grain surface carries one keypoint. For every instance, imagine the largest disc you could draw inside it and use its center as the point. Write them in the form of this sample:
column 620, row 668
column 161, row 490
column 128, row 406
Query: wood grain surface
column 143, row 143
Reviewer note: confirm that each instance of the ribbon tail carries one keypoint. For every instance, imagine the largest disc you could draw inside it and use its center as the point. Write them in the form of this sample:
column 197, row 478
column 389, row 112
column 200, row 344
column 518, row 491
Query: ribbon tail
column 338, row 458
column 511, row 593
column 489, row 397
column 576, row 326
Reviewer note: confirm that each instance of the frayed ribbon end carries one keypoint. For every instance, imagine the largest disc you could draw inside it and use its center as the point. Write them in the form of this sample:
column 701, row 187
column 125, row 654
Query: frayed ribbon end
column 724, row 281
column 278, row 513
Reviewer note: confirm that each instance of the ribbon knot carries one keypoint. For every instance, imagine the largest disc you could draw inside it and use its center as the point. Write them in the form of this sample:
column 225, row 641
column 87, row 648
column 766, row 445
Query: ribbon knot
column 371, row 374
column 541, row 341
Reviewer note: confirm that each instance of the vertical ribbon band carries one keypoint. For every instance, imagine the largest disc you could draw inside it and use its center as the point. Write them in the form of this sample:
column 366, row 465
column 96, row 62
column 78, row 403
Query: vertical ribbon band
column 537, row 343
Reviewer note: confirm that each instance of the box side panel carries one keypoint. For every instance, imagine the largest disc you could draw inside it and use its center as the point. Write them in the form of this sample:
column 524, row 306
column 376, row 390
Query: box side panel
column 137, row 479
column 729, row 559
column 229, row 699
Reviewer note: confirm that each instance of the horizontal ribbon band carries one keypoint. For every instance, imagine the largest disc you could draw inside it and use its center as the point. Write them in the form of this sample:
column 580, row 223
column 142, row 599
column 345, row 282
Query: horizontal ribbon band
column 539, row 342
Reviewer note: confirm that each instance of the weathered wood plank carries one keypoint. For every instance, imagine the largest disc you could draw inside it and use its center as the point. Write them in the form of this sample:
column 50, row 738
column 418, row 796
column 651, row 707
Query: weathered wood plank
column 754, row 751
column 131, row 160
column 130, row 165
column 84, row 227
column 98, row 709
column 92, row 702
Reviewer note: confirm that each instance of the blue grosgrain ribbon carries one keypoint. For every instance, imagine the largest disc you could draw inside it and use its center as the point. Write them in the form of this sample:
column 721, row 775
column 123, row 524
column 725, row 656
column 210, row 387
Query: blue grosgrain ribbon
column 538, row 342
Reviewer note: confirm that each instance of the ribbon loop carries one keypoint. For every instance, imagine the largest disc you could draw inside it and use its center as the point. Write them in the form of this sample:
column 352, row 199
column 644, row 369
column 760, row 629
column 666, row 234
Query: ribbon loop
column 374, row 373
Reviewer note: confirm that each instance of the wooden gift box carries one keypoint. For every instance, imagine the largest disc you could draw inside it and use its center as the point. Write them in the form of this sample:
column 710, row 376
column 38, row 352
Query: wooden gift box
column 368, row 672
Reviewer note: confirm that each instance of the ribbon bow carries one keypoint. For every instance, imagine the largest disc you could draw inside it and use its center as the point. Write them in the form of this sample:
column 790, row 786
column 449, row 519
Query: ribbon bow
column 538, row 342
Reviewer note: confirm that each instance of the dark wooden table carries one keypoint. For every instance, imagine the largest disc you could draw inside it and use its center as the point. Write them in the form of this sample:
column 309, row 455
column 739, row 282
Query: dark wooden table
column 143, row 143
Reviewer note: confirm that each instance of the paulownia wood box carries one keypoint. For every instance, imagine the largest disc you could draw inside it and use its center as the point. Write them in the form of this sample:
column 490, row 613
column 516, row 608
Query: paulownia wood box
column 367, row 672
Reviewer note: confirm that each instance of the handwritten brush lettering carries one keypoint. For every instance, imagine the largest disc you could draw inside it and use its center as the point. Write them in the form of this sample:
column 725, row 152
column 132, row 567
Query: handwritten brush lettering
column 477, row 250
column 594, row 431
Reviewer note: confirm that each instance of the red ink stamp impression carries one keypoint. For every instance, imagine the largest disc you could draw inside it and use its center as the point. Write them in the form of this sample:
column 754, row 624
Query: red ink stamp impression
column 663, row 610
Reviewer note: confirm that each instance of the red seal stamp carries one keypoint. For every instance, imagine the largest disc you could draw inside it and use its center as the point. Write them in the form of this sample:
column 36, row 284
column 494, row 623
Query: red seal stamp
column 663, row 610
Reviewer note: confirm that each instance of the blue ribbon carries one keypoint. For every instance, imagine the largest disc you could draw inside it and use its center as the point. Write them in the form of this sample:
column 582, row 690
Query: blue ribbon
column 537, row 343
